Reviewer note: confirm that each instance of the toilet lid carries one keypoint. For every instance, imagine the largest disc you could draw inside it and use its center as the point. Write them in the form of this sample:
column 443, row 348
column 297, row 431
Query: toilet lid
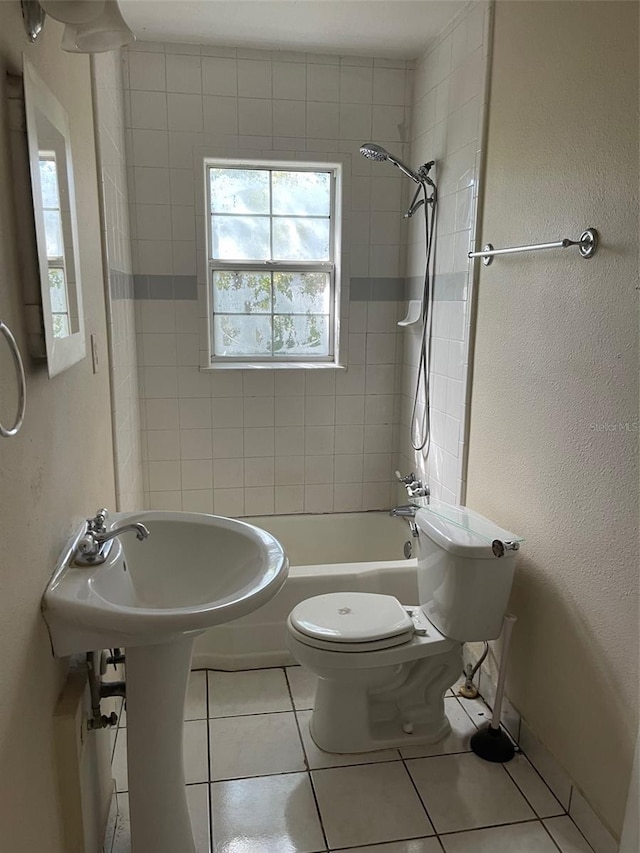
column 351, row 617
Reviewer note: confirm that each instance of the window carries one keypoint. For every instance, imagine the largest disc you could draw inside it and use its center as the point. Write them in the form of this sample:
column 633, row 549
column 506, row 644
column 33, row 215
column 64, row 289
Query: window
column 55, row 244
column 272, row 248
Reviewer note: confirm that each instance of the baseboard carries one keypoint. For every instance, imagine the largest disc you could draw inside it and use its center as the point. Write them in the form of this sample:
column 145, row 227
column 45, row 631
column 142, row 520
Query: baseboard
column 567, row 792
column 112, row 819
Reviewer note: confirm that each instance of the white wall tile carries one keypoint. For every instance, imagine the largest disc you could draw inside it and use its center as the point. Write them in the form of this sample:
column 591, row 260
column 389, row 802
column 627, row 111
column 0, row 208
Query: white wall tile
column 147, row 71
column 150, row 148
column 220, row 114
column 197, row 474
column 195, row 444
column 259, row 500
column 163, row 444
column 356, row 84
column 200, row 500
column 219, row 76
column 148, row 110
column 289, row 441
column 389, row 86
column 289, row 81
column 322, row 82
column 254, row 78
column 184, row 112
column 322, row 120
column 254, row 117
column 355, row 121
column 319, row 440
column 289, row 499
column 318, row 498
column 184, row 74
column 289, row 118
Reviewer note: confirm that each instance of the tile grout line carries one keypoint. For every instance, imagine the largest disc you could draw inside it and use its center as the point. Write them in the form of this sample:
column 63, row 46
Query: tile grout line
column 306, row 759
column 209, row 805
column 296, row 711
column 421, row 801
column 565, row 813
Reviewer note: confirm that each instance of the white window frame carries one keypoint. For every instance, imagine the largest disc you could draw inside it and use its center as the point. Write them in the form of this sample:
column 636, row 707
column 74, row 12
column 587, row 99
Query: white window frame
column 332, row 266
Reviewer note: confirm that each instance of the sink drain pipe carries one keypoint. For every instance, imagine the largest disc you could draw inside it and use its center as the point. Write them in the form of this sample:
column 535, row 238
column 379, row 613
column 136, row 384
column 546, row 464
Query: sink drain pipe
column 100, row 689
column 491, row 742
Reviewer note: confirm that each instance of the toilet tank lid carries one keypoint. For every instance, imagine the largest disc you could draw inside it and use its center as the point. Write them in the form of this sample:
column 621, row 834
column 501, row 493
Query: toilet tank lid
column 461, row 530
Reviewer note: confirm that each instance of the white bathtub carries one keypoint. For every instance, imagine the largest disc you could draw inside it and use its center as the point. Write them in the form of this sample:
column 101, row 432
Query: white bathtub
column 361, row 552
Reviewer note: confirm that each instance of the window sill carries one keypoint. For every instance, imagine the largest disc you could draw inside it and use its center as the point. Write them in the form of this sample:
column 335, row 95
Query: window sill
column 282, row 365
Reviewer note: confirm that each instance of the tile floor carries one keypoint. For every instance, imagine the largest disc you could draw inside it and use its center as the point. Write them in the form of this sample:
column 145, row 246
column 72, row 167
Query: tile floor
column 257, row 783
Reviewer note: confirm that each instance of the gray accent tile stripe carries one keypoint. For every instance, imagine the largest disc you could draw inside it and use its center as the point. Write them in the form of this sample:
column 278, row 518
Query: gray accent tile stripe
column 165, row 286
column 373, row 289
column 448, row 287
column 451, row 287
column 121, row 285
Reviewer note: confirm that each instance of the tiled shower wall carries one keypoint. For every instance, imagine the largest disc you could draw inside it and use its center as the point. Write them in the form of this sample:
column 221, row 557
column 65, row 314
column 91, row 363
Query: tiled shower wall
column 109, row 120
column 262, row 441
column 448, row 113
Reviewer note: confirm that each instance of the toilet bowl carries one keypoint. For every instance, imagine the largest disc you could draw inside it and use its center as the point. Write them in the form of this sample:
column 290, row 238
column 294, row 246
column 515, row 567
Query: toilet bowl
column 382, row 667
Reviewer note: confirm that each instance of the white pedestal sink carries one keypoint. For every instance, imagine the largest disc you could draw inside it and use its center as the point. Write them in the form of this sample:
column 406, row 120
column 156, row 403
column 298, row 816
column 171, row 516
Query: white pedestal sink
column 153, row 598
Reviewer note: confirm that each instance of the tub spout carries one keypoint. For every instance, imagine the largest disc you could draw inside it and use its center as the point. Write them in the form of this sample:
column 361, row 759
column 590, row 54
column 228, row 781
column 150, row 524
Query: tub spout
column 406, row 511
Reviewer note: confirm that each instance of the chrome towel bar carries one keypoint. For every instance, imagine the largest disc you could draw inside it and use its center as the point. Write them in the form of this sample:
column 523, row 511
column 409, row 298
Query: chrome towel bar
column 22, row 383
column 587, row 245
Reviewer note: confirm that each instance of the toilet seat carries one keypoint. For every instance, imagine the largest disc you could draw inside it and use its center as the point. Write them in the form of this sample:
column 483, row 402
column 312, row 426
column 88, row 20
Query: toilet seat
column 351, row 622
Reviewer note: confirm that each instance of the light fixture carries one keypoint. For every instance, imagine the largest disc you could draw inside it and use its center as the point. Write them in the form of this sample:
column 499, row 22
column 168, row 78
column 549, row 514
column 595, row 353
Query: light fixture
column 91, row 26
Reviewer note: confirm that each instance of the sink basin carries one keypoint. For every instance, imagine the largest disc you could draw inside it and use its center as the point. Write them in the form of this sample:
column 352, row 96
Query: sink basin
column 153, row 597
column 194, row 571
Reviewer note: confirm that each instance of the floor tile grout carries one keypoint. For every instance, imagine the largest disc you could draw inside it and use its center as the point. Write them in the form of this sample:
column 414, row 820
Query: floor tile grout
column 308, row 771
column 306, row 761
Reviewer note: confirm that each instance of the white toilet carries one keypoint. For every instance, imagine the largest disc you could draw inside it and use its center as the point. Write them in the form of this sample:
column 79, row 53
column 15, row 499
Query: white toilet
column 383, row 668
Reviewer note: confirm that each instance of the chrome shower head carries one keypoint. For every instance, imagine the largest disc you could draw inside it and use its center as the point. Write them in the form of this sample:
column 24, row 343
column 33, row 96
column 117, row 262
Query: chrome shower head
column 376, row 152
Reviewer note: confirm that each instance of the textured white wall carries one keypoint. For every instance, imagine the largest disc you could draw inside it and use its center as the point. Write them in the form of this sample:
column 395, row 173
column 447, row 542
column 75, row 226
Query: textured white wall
column 60, row 466
column 556, row 361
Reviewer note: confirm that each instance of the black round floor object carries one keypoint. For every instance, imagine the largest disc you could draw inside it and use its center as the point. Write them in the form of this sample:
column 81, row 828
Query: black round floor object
column 492, row 745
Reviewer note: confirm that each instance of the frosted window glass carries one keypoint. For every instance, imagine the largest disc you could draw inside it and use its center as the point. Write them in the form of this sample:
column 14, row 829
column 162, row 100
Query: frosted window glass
column 58, row 291
column 60, row 323
column 237, row 238
column 242, row 335
column 241, row 292
column 53, row 234
column 301, row 293
column 294, row 335
column 301, row 193
column 49, row 184
column 300, row 239
column 239, row 190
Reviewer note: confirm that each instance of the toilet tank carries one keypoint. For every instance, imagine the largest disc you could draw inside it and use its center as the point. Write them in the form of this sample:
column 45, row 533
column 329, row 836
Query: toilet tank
column 463, row 585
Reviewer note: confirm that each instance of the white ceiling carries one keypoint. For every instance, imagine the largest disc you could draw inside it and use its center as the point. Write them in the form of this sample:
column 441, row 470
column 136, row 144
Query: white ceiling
column 385, row 28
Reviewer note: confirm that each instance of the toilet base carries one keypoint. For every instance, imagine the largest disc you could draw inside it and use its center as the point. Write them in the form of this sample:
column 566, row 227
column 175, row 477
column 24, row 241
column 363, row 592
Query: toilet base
column 389, row 707
column 387, row 736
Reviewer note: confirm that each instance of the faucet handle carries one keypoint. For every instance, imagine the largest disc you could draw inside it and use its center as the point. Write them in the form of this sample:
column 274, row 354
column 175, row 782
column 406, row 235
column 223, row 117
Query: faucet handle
column 97, row 524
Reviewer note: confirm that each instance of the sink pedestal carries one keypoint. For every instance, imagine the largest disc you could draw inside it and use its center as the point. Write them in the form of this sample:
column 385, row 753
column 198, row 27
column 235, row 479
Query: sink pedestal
column 156, row 687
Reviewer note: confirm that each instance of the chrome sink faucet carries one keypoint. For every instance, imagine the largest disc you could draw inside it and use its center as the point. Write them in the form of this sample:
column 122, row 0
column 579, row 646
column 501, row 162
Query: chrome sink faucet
column 93, row 548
